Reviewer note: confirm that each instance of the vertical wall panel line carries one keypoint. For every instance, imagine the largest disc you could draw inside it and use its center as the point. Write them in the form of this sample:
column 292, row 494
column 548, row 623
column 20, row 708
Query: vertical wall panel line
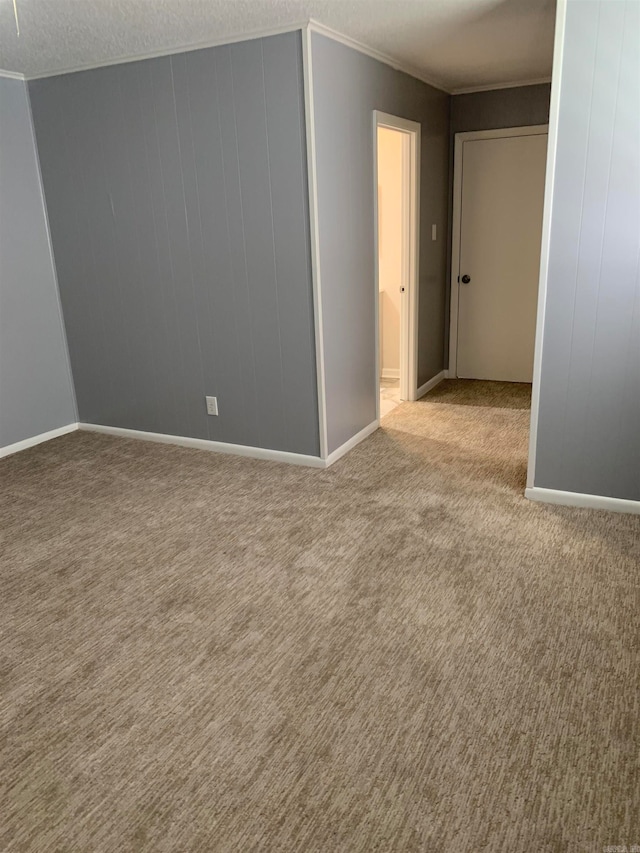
column 186, row 223
column 231, row 260
column 273, row 243
column 244, row 243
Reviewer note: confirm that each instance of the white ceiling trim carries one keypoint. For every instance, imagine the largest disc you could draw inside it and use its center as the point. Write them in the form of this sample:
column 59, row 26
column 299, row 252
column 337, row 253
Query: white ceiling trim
column 489, row 87
column 12, row 75
column 121, row 60
column 397, row 65
column 311, row 24
column 265, row 32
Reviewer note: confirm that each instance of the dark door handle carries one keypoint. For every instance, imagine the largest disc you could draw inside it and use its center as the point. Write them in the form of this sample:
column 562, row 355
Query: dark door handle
column 466, row 279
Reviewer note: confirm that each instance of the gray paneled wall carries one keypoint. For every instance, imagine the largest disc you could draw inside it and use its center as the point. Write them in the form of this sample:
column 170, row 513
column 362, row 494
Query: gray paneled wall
column 518, row 106
column 348, row 86
column 36, row 392
column 177, row 195
column 588, row 437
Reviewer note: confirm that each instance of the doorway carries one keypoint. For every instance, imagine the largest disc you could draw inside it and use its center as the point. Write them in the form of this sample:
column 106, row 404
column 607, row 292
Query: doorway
column 396, row 206
column 499, row 179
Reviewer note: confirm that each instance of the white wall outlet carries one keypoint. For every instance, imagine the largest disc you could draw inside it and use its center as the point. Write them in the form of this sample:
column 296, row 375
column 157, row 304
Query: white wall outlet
column 434, row 233
column 212, row 405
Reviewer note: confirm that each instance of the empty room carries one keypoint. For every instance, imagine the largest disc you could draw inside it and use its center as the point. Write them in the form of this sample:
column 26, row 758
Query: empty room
column 319, row 425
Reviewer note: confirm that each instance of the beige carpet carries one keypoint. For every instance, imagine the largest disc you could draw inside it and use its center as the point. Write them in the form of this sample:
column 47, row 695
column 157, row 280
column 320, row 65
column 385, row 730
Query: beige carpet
column 206, row 653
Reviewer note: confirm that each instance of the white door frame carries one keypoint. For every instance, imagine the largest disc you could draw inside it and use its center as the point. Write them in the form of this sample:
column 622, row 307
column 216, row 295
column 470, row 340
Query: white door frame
column 410, row 256
column 460, row 139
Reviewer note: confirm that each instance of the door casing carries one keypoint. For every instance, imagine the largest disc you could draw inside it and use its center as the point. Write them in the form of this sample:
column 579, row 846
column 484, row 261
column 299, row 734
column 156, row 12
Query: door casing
column 411, row 253
column 460, row 139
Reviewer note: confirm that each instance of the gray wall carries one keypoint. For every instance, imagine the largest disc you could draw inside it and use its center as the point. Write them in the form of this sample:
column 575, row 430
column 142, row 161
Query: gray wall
column 520, row 106
column 177, row 194
column 348, row 86
column 588, row 436
column 36, row 392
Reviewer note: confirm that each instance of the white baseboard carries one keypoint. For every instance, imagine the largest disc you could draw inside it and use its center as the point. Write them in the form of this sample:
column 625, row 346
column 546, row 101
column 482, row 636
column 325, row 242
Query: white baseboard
column 36, row 439
column 555, row 496
column 351, row 443
column 199, row 444
column 390, row 373
column 428, row 386
column 213, row 446
column 450, row 374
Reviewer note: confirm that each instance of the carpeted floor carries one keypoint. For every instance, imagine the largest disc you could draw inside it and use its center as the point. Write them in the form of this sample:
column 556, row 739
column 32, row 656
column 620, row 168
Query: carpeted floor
column 207, row 653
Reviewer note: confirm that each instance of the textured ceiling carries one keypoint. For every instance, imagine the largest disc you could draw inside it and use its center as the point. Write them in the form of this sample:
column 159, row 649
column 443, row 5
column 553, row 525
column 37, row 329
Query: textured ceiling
column 456, row 43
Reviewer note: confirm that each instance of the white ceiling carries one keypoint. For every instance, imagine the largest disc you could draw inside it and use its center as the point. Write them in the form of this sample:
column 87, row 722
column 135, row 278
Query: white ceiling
column 455, row 43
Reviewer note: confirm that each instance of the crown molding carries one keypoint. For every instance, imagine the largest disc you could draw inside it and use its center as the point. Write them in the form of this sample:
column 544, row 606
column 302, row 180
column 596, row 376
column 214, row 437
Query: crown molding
column 265, row 32
column 311, row 24
column 11, row 75
column 490, row 87
column 396, row 64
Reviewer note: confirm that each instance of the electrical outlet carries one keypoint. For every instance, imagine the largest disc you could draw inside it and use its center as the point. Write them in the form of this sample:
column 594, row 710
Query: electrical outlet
column 212, row 405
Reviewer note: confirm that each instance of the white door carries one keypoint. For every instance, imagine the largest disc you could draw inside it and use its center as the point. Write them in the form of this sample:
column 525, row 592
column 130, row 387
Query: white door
column 500, row 233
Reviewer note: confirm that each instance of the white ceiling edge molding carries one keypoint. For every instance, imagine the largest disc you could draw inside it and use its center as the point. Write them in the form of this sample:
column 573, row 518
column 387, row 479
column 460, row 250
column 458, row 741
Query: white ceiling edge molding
column 11, row 75
column 490, row 87
column 264, row 32
column 396, row 64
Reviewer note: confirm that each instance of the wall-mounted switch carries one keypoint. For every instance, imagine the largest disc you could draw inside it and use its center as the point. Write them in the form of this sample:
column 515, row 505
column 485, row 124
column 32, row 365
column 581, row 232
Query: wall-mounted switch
column 434, row 235
column 212, row 405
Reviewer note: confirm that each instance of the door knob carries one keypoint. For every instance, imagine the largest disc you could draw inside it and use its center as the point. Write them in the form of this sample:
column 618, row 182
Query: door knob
column 466, row 279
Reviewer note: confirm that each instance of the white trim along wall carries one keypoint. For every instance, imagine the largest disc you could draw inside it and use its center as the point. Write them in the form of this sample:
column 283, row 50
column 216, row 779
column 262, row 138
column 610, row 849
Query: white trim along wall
column 431, row 384
column 491, row 87
column 552, row 145
column 560, row 498
column 11, row 75
column 408, row 372
column 263, row 32
column 198, row 444
column 10, row 449
column 315, row 236
column 153, row 54
column 323, row 30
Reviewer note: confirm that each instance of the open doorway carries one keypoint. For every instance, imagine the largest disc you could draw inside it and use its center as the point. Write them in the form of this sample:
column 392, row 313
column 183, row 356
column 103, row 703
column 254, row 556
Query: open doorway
column 396, row 199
